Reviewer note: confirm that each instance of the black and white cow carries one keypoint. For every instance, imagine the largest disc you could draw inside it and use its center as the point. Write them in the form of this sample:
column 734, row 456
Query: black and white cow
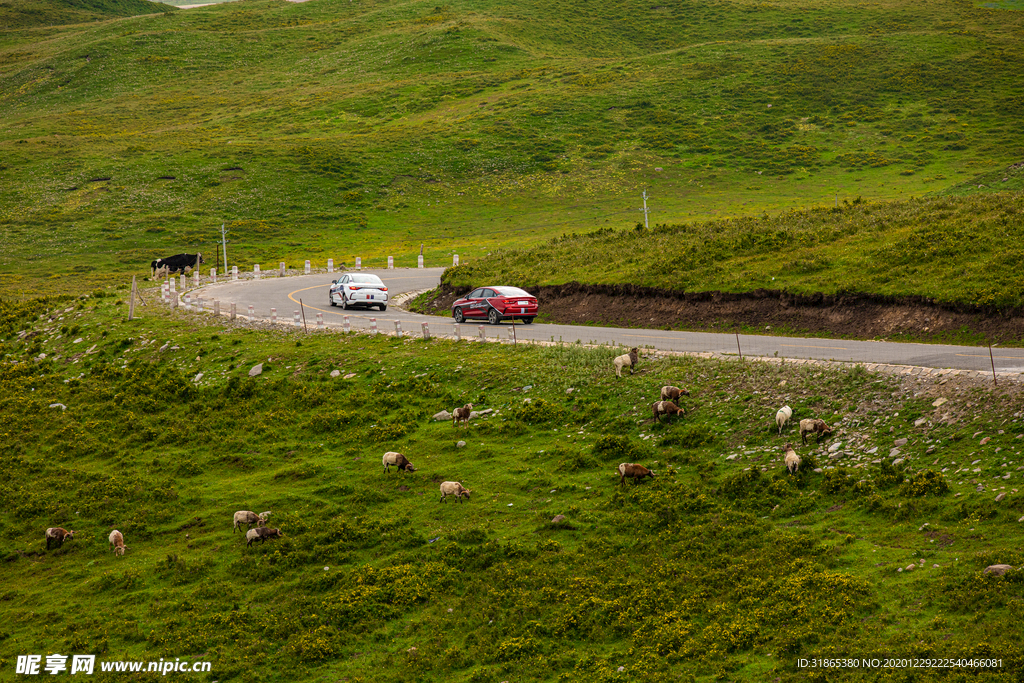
column 173, row 264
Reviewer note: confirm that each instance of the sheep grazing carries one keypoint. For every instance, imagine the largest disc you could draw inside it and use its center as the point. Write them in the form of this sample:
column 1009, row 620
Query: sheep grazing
column 453, row 488
column 261, row 533
column 462, row 414
column 665, row 408
column 782, row 417
column 250, row 518
column 792, row 459
column 637, row 472
column 398, row 460
column 673, row 393
column 816, row 427
column 56, row 536
column 117, row 540
column 630, row 359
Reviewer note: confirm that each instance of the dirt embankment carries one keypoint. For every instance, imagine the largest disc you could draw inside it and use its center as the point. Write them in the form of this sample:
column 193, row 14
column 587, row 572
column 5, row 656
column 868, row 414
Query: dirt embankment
column 850, row 316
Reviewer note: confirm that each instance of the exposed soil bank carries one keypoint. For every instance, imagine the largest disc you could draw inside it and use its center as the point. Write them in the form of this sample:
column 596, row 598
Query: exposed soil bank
column 848, row 316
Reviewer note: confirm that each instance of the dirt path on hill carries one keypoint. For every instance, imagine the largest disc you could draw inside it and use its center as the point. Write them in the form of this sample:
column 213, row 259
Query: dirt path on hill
column 767, row 312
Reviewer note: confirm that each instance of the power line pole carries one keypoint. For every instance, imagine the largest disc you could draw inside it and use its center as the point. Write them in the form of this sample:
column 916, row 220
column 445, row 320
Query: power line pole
column 224, row 240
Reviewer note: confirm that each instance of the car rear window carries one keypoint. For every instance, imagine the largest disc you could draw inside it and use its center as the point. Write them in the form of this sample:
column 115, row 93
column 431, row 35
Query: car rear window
column 512, row 291
column 367, row 279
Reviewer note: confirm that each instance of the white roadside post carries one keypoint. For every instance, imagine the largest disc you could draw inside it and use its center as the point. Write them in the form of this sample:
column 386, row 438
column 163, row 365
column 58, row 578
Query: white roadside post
column 252, row 312
column 398, row 329
column 234, row 272
column 483, row 334
column 373, row 326
column 347, row 326
column 307, row 266
column 216, row 307
column 188, row 302
column 458, row 333
column 455, row 259
column 184, row 285
column 330, row 265
column 320, row 321
column 511, row 332
column 164, row 292
column 256, row 271
column 234, row 311
column 282, row 268
column 199, row 304
column 195, row 277
column 391, row 262
column 213, row 275
column 419, row 261
column 273, row 315
column 296, row 319
column 359, row 263
column 174, row 301
column 426, row 330
column 170, row 284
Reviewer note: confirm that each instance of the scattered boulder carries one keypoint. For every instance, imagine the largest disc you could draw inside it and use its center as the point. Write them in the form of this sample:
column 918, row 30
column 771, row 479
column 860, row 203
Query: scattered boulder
column 461, row 444
column 256, row 370
column 557, row 519
column 910, row 567
column 349, row 375
column 335, row 373
column 443, row 416
column 920, row 421
column 985, row 441
column 998, row 569
column 198, row 377
column 1000, row 497
column 938, row 402
column 59, row 405
column 899, row 442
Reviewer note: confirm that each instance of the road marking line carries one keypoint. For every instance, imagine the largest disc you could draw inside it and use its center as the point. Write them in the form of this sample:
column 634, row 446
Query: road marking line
column 804, row 346
column 985, row 355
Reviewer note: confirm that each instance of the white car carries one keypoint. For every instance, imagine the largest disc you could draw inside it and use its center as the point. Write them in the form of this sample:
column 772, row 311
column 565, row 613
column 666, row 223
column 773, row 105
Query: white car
column 359, row 289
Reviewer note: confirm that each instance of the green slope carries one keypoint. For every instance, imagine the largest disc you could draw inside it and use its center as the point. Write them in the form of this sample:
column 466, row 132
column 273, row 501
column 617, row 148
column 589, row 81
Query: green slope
column 722, row 567
column 17, row 14
column 336, row 129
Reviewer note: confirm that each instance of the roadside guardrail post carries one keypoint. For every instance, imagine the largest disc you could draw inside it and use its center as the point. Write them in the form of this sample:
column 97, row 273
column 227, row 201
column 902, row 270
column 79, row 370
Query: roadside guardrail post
column 483, row 334
column 391, row 262
column 330, row 265
column 347, row 326
column 213, row 275
column 188, row 302
column 359, row 263
column 282, row 268
column 234, row 312
column 319, row 321
column 234, row 272
column 455, row 259
column 307, row 266
column 373, row 326
column 458, row 333
column 252, row 312
column 273, row 315
column 216, row 307
column 426, row 330
column 195, row 278
column 256, row 271
column 419, row 261
column 184, row 286
column 297, row 320
column 398, row 329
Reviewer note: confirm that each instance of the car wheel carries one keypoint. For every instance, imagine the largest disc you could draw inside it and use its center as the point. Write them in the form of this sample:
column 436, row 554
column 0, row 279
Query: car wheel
column 493, row 317
column 459, row 316
column 383, row 307
column 527, row 321
column 330, row 300
column 344, row 303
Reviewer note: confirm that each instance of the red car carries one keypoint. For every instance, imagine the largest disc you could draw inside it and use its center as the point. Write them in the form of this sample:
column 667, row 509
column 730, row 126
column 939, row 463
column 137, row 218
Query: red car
column 496, row 304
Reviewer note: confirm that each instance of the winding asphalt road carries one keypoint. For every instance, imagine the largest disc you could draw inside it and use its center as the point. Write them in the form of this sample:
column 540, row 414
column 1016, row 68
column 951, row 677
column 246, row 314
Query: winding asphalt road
column 284, row 294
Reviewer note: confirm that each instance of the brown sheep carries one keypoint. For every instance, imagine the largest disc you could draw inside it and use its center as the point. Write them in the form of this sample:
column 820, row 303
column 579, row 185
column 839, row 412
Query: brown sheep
column 117, row 540
column 462, row 414
column 249, row 518
column 262, row 534
column 673, row 393
column 816, row 427
column 398, row 460
column 669, row 408
column 637, row 472
column 57, row 535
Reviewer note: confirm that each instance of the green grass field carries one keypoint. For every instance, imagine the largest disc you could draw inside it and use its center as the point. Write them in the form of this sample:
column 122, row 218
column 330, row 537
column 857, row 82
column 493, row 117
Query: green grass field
column 722, row 567
column 333, row 129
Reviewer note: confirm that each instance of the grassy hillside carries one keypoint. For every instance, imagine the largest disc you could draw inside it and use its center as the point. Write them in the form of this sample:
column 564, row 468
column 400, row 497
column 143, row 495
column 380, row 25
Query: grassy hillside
column 19, row 14
column 959, row 248
column 720, row 568
column 333, row 128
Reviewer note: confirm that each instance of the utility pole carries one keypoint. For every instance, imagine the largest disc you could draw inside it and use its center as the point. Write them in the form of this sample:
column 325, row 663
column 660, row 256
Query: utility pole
column 646, row 226
column 224, row 240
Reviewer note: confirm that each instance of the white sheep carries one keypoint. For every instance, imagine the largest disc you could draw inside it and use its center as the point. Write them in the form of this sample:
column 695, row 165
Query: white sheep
column 782, row 417
column 453, row 488
column 398, row 460
column 117, row 540
column 792, row 459
column 249, row 518
column 629, row 359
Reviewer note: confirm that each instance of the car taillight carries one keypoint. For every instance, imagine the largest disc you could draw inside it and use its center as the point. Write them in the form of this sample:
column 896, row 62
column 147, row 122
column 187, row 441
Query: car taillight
column 384, row 289
column 352, row 287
